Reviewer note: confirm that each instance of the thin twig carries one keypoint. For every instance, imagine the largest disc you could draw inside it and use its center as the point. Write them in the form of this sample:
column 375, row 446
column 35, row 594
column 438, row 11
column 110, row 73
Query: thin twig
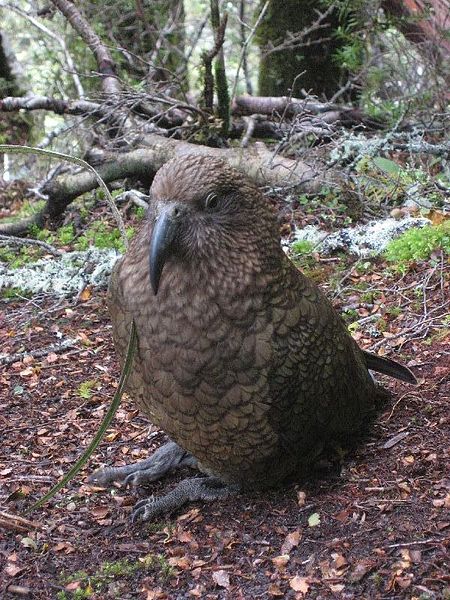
column 245, row 46
column 416, row 543
column 11, row 240
column 60, row 40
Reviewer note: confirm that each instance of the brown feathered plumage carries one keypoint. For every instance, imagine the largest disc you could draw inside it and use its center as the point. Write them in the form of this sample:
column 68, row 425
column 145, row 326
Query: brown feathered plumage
column 241, row 359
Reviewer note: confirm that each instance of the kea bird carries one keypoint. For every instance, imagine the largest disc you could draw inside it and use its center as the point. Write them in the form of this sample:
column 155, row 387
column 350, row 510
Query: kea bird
column 240, row 359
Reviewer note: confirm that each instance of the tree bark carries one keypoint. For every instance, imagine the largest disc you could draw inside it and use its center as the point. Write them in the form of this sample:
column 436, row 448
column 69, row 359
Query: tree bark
column 288, row 66
column 423, row 22
column 106, row 66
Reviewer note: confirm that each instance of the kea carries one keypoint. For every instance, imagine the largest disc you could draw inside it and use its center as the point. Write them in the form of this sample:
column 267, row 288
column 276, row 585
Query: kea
column 241, row 359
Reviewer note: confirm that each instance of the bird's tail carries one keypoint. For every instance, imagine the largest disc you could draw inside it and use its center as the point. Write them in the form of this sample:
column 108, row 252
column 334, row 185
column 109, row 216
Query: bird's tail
column 390, row 367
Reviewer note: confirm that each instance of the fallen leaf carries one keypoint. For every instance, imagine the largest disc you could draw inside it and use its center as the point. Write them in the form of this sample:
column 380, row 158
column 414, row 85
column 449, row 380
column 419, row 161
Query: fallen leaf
column 182, row 562
column 28, row 543
column 339, row 560
column 198, row 591
column 314, row 520
column 299, row 584
column 301, row 498
column 221, row 578
column 291, row 541
column 85, row 294
column 281, row 561
column 99, row 512
column 342, row 516
column 12, row 569
column 185, row 537
column 65, row 547
column 274, row 590
column 72, row 586
column 360, row 570
column 395, row 440
column 27, row 372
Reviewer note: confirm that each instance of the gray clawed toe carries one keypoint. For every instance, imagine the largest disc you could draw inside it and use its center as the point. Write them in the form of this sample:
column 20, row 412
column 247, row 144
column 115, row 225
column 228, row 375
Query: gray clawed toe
column 189, row 490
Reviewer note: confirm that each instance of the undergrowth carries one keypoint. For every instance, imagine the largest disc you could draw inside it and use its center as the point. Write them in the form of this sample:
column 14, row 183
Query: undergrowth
column 112, row 573
column 419, row 244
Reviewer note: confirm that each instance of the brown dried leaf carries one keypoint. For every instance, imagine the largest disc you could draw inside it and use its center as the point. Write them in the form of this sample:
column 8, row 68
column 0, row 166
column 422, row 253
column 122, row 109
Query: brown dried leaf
column 51, row 358
column 198, row 591
column 360, row 570
column 85, row 294
column 99, row 512
column 12, row 570
column 339, row 560
column 274, row 590
column 301, row 498
column 299, row 584
column 281, row 561
column 182, row 562
column 291, row 541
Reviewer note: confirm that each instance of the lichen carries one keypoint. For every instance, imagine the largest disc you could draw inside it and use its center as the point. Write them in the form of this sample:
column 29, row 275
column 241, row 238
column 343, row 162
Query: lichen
column 63, row 276
column 363, row 241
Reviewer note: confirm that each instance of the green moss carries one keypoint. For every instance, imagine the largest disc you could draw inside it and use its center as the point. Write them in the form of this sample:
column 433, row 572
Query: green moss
column 394, row 311
column 419, row 244
column 13, row 293
column 301, row 247
column 119, row 568
column 102, row 235
column 27, row 210
column 112, row 572
column 349, row 315
column 85, row 388
column 370, row 296
column 65, row 234
column 139, row 211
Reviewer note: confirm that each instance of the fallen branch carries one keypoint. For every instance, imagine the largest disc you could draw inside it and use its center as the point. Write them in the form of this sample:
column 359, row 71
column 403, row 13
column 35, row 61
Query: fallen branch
column 293, row 107
column 47, row 211
column 9, row 240
column 6, row 359
column 16, row 523
column 257, row 162
column 56, row 105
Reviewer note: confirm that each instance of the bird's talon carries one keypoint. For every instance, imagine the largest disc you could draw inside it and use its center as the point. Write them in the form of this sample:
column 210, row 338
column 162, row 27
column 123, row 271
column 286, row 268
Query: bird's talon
column 130, row 481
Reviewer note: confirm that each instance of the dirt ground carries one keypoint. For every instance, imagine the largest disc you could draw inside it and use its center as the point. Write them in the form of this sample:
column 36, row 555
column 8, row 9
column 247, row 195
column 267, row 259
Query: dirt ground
column 377, row 527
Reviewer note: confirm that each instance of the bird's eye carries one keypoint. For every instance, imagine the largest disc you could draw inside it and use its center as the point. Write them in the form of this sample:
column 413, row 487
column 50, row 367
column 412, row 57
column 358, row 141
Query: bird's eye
column 211, row 201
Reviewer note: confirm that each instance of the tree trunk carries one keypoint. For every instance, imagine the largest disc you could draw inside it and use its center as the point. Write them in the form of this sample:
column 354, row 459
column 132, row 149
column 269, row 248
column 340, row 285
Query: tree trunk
column 307, row 63
column 13, row 128
column 427, row 24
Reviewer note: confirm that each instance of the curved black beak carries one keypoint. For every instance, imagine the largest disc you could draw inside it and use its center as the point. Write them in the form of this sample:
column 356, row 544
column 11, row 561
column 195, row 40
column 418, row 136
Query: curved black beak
column 163, row 235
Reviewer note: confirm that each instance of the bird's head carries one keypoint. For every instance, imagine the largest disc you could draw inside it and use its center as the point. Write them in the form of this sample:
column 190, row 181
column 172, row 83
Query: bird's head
column 202, row 206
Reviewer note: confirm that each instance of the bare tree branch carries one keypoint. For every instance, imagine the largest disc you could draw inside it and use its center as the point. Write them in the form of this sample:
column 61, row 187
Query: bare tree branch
column 106, row 66
column 58, row 39
column 11, row 240
column 246, row 42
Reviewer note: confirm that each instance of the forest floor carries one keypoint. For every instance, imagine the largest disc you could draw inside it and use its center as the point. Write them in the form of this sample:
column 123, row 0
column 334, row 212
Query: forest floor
column 378, row 528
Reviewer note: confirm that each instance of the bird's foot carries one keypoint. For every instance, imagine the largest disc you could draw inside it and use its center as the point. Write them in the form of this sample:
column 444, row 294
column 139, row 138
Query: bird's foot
column 167, row 458
column 188, row 490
